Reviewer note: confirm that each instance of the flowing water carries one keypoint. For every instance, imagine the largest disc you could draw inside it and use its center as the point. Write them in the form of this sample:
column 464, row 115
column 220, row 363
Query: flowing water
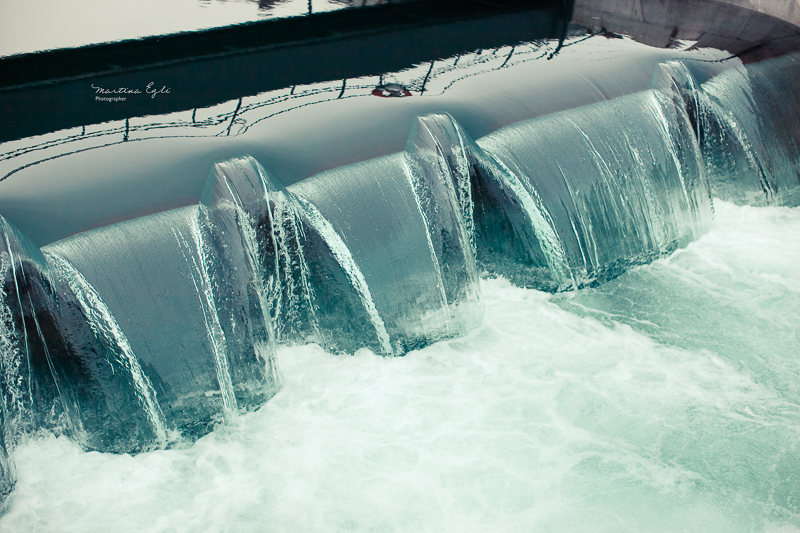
column 590, row 339
column 665, row 400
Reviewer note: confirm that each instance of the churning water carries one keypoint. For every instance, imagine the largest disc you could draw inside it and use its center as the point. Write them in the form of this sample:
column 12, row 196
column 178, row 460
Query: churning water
column 667, row 399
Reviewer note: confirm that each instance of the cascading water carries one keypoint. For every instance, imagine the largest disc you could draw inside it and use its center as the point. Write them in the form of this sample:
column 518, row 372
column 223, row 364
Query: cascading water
column 619, row 183
column 747, row 126
column 104, row 327
column 68, row 367
column 128, row 337
column 305, row 274
column 343, row 257
column 196, row 322
column 400, row 219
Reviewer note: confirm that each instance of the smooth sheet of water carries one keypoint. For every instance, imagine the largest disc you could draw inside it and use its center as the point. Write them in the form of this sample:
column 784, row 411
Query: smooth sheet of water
column 666, row 400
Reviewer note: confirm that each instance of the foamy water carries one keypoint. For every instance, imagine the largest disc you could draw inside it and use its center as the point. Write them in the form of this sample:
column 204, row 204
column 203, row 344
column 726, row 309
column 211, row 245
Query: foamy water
column 666, row 400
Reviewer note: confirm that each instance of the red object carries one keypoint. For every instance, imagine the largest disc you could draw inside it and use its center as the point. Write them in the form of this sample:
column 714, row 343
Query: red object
column 391, row 90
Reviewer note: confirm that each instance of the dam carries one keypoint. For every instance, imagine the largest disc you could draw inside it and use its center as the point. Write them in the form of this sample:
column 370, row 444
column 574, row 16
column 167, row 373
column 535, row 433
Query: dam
column 542, row 280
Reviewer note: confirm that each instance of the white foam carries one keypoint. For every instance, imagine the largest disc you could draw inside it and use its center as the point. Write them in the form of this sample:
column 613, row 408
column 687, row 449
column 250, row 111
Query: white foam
column 559, row 414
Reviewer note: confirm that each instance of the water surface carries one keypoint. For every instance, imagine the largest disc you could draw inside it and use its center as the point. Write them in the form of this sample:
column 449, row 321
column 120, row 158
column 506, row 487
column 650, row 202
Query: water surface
column 676, row 409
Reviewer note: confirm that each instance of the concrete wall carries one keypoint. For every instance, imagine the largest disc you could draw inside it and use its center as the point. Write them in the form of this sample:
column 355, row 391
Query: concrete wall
column 788, row 10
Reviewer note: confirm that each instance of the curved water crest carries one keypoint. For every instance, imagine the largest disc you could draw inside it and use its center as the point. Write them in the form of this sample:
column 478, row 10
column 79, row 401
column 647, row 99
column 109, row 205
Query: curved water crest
column 401, row 221
column 747, row 126
column 152, row 331
column 616, row 184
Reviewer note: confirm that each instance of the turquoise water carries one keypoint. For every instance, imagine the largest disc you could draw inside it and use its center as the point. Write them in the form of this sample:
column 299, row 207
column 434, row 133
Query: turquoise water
column 665, row 400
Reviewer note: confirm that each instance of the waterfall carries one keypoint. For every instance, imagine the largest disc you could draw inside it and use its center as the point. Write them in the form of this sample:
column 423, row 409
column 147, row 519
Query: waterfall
column 122, row 358
column 39, row 364
column 746, row 130
column 439, row 179
column 617, row 183
column 517, row 230
column 13, row 343
column 345, row 259
column 305, row 274
column 198, row 273
column 234, row 210
column 402, row 220
column 194, row 323
column 8, row 471
column 10, row 359
column 269, row 215
column 125, row 336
